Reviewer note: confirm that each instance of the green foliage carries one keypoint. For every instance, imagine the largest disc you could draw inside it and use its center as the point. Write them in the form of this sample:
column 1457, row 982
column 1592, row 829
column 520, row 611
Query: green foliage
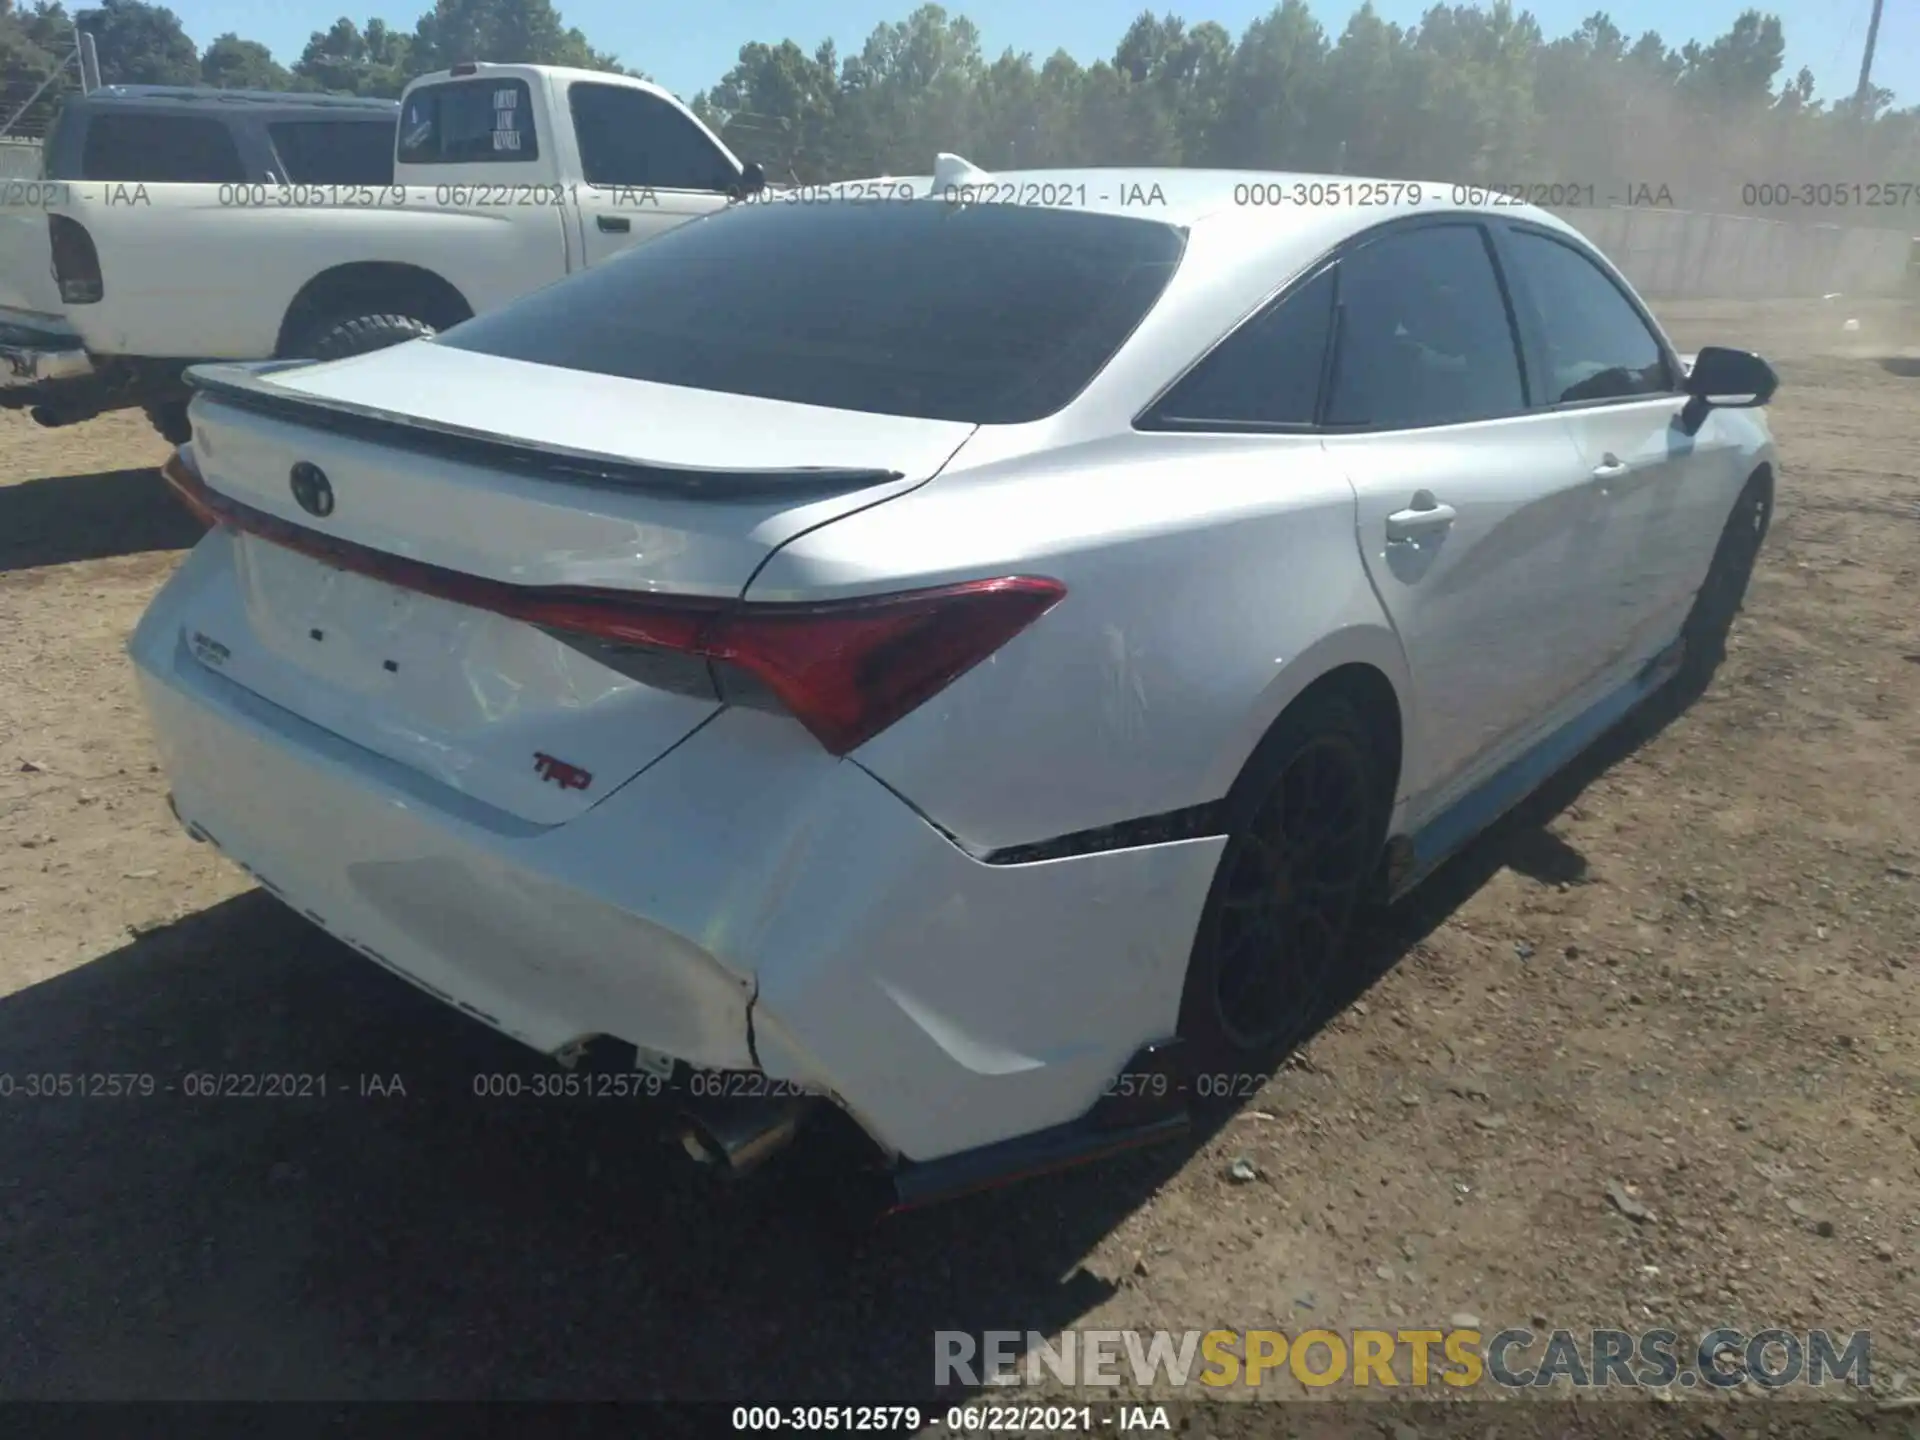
column 345, row 59
column 1471, row 92
column 231, row 63
column 140, row 44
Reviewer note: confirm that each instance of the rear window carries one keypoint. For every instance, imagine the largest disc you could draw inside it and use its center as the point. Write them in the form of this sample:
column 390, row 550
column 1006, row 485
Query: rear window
column 992, row 314
column 334, row 152
column 468, row 122
column 160, row 149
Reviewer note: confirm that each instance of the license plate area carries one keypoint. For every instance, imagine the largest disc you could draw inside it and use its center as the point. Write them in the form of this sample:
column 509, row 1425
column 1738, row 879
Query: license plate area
column 446, row 666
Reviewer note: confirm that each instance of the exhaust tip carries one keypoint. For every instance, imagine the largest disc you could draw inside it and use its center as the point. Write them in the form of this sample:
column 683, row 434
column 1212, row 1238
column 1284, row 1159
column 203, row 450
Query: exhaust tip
column 56, row 417
column 737, row 1138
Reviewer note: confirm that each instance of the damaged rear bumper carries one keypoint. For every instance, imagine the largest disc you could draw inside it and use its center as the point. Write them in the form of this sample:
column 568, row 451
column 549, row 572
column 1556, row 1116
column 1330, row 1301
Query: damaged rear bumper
column 747, row 904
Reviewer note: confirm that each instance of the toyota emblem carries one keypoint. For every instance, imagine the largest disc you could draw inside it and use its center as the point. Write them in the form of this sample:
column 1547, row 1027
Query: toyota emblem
column 312, row 489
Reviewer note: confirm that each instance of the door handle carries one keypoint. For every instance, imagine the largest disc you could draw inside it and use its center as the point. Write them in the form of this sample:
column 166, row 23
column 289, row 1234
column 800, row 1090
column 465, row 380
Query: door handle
column 613, row 224
column 1423, row 517
column 1610, row 467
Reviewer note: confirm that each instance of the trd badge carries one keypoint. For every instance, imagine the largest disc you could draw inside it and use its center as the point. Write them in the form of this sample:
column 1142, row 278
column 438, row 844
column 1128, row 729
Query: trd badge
column 567, row 777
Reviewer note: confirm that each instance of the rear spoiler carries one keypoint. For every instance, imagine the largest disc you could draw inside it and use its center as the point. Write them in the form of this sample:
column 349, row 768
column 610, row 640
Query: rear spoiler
column 247, row 387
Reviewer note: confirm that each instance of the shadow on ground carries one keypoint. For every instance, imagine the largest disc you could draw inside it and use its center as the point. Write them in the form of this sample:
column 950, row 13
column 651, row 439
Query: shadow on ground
column 1907, row 367
column 438, row 1245
column 64, row 518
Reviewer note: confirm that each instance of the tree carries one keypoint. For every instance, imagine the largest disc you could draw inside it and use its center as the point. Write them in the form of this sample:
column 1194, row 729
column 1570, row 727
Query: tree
column 140, row 44
column 235, row 64
column 346, row 60
column 1473, row 91
column 1272, row 94
column 1735, row 72
column 503, row 31
column 778, row 106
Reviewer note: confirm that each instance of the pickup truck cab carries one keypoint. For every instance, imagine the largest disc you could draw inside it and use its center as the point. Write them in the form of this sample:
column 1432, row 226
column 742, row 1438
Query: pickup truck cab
column 159, row 134
column 505, row 179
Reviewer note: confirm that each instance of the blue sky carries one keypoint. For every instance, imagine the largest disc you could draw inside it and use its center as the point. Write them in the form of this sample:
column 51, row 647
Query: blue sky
column 689, row 46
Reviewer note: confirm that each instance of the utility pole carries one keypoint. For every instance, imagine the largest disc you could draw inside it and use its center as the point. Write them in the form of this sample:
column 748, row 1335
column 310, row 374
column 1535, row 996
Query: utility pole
column 1866, row 61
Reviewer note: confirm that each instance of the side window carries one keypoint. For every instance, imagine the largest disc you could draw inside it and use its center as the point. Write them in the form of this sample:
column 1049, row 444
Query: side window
column 161, row 150
column 630, row 138
column 1423, row 334
column 1597, row 346
column 334, row 152
column 469, row 122
column 1266, row 373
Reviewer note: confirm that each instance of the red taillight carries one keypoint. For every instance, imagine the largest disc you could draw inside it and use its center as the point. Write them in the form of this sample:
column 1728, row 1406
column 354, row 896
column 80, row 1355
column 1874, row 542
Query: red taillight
column 846, row 669
column 188, row 488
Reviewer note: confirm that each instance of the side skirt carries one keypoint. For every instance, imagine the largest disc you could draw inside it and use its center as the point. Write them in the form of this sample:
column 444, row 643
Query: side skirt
column 1411, row 859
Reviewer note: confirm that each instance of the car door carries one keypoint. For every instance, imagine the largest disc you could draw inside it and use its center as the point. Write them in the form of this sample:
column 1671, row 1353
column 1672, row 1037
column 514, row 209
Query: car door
column 647, row 166
column 1603, row 366
column 1475, row 518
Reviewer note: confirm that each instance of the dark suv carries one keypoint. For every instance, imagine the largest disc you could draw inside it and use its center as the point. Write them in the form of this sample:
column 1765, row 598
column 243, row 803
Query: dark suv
column 162, row 134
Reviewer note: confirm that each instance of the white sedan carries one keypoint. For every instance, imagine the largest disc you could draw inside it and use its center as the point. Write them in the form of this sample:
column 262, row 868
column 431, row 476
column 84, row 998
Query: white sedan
column 962, row 660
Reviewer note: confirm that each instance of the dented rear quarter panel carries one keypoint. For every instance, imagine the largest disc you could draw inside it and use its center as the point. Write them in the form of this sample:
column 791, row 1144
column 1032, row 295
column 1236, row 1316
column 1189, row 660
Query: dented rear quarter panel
column 1209, row 580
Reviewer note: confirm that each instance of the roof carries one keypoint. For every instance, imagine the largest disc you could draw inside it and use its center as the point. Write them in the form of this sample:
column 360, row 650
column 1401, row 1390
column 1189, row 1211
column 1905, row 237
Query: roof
column 1187, row 197
column 569, row 74
column 209, row 95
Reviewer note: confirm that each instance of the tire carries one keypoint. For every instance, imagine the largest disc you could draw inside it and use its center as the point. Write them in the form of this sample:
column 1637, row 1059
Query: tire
column 171, row 421
column 1724, row 591
column 359, row 335
column 1322, row 746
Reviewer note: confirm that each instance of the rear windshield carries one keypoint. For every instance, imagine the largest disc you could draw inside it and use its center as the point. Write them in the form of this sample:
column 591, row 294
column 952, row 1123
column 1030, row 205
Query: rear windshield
column 468, row 122
column 334, row 152
column 992, row 314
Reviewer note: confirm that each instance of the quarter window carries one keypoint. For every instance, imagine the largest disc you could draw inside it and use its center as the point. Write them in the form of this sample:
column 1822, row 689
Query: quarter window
column 1266, row 373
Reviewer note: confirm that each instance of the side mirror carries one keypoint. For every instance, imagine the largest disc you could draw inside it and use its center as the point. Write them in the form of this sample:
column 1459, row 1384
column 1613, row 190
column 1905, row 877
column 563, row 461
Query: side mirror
column 753, row 178
column 1730, row 379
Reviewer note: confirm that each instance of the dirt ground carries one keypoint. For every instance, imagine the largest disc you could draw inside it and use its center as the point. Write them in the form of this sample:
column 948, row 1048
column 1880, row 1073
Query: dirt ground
column 1687, row 977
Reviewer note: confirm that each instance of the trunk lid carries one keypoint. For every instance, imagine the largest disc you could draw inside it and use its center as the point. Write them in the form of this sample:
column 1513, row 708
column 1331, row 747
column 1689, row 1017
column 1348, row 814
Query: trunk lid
column 510, row 473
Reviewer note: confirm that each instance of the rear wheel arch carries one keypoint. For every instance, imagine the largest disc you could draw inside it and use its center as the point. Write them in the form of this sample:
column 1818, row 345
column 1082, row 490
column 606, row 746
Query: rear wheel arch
column 1362, row 663
column 1347, row 717
column 1372, row 695
column 1374, row 700
column 368, row 288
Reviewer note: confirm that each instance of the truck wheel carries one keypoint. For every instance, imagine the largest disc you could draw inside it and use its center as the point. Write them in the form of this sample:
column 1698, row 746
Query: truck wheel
column 360, row 334
column 171, row 421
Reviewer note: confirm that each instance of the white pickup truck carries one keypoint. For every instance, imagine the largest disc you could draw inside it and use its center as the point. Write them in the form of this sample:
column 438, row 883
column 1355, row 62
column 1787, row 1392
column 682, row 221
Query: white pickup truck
column 506, row 178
